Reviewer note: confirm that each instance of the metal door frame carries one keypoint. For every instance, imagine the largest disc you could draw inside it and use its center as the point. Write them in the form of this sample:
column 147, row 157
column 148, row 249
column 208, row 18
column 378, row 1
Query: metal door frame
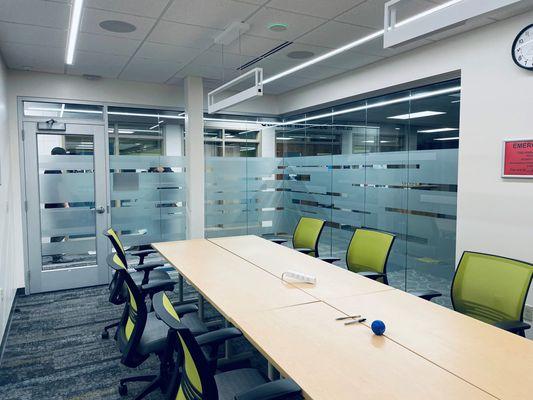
column 38, row 280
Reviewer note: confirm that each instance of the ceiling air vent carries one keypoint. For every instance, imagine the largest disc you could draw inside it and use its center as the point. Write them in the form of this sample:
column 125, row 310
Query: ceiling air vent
column 263, row 56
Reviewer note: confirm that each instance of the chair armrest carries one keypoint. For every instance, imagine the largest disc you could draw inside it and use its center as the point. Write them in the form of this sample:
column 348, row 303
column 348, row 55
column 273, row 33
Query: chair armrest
column 426, row 294
column 271, row 391
column 278, row 240
column 304, row 250
column 186, row 309
column 512, row 326
column 330, row 260
column 142, row 254
column 148, row 266
column 158, row 286
column 371, row 274
column 215, row 338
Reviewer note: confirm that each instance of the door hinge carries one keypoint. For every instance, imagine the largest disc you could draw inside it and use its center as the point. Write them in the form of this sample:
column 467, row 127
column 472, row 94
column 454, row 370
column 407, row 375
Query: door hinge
column 26, row 205
column 23, row 135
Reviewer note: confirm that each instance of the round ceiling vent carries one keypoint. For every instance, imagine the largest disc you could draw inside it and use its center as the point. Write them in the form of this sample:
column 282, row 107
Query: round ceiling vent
column 300, row 55
column 278, row 27
column 117, row 26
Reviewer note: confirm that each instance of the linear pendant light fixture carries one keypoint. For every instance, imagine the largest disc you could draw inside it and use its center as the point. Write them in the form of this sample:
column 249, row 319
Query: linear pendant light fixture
column 356, row 43
column 75, row 20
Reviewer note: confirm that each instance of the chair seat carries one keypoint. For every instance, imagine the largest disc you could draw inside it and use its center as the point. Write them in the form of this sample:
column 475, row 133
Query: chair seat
column 237, row 381
column 193, row 322
column 153, row 339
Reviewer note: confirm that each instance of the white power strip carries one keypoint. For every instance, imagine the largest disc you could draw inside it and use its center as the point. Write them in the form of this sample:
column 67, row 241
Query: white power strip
column 299, row 276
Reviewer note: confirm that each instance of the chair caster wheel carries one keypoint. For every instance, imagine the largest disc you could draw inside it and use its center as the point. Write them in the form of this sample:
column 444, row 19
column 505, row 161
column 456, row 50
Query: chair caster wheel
column 105, row 335
column 123, row 390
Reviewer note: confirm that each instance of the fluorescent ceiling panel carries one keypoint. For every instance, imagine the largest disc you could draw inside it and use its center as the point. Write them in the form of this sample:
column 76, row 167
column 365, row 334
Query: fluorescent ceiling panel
column 75, row 19
column 438, row 130
column 420, row 114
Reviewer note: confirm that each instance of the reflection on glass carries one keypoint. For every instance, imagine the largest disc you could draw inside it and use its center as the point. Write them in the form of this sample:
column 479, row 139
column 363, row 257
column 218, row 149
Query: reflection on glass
column 66, row 189
column 147, row 168
column 63, row 110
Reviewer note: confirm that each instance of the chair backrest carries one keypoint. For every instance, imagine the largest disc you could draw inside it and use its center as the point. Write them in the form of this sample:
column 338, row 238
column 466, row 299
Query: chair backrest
column 369, row 251
column 491, row 288
column 307, row 234
column 113, row 237
column 133, row 321
column 196, row 381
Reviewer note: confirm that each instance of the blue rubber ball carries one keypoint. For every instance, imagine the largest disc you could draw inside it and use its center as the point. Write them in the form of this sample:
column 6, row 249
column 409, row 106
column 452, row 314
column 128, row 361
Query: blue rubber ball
column 378, row 327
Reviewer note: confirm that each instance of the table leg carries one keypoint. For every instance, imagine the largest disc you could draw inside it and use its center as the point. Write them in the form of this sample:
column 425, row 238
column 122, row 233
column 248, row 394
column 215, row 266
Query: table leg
column 273, row 375
column 201, row 307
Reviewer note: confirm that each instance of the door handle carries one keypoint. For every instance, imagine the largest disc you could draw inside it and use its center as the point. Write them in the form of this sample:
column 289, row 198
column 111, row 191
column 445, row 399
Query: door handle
column 99, row 210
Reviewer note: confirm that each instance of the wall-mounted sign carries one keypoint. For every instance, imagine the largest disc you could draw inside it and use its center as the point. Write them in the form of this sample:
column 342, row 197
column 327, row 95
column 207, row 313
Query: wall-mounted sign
column 518, row 158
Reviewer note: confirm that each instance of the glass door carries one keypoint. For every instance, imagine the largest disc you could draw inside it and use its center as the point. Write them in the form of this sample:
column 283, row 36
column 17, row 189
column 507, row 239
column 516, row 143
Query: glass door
column 67, row 206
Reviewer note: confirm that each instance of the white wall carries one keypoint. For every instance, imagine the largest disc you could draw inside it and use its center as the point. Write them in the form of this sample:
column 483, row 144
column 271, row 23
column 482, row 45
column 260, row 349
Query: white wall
column 7, row 266
column 493, row 215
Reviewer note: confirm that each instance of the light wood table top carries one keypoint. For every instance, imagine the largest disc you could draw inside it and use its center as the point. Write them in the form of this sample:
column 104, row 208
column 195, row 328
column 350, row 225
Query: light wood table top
column 494, row 360
column 229, row 283
column 332, row 361
column 332, row 281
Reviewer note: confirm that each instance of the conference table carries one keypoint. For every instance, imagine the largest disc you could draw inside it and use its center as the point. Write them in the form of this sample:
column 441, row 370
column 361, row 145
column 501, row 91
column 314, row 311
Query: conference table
column 427, row 351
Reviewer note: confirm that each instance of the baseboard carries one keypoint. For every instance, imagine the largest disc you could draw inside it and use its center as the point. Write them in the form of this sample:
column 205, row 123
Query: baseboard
column 19, row 292
column 528, row 313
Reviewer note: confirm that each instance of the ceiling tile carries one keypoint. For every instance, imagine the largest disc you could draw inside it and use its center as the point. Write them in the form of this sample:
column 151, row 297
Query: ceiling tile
column 210, row 13
column 371, row 13
column 145, row 8
column 148, row 70
column 298, row 24
column 228, row 60
column 183, row 35
column 35, row 12
column 108, row 66
column 250, row 45
column 316, row 50
column 92, row 19
column 107, row 44
column 334, row 34
column 166, row 52
column 33, row 35
column 350, row 60
column 324, row 9
column 39, row 58
column 209, row 72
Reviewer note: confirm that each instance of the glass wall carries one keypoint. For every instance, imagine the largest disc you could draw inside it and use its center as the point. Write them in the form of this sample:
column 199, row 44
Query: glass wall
column 147, row 175
column 387, row 163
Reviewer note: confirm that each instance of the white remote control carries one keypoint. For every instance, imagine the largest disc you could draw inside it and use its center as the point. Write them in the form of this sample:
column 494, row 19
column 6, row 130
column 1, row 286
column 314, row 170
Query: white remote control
column 299, row 276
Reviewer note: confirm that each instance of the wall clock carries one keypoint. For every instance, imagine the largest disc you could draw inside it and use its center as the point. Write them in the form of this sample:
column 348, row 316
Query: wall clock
column 522, row 50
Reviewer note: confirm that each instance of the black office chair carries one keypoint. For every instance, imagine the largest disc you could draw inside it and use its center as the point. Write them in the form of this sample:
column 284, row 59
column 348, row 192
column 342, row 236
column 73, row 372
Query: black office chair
column 196, row 380
column 144, row 273
column 140, row 333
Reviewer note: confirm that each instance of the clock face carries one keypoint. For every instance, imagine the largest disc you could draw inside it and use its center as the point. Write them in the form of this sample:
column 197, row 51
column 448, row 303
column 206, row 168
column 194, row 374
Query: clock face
column 523, row 48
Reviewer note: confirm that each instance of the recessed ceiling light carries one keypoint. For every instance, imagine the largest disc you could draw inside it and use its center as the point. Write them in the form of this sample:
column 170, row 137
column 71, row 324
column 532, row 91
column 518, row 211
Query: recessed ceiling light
column 278, row 27
column 438, row 130
column 117, row 26
column 300, row 55
column 420, row 114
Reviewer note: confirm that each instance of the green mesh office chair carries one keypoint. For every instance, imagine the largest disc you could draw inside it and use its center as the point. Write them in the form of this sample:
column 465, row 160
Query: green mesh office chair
column 140, row 333
column 306, row 236
column 368, row 253
column 144, row 272
column 197, row 381
column 492, row 289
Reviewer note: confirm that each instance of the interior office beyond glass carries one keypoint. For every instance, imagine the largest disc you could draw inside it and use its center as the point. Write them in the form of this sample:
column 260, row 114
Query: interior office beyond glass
column 387, row 163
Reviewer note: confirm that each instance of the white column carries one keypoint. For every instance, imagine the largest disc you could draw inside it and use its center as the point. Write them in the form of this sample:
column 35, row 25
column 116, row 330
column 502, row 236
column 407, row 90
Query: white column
column 268, row 142
column 194, row 147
